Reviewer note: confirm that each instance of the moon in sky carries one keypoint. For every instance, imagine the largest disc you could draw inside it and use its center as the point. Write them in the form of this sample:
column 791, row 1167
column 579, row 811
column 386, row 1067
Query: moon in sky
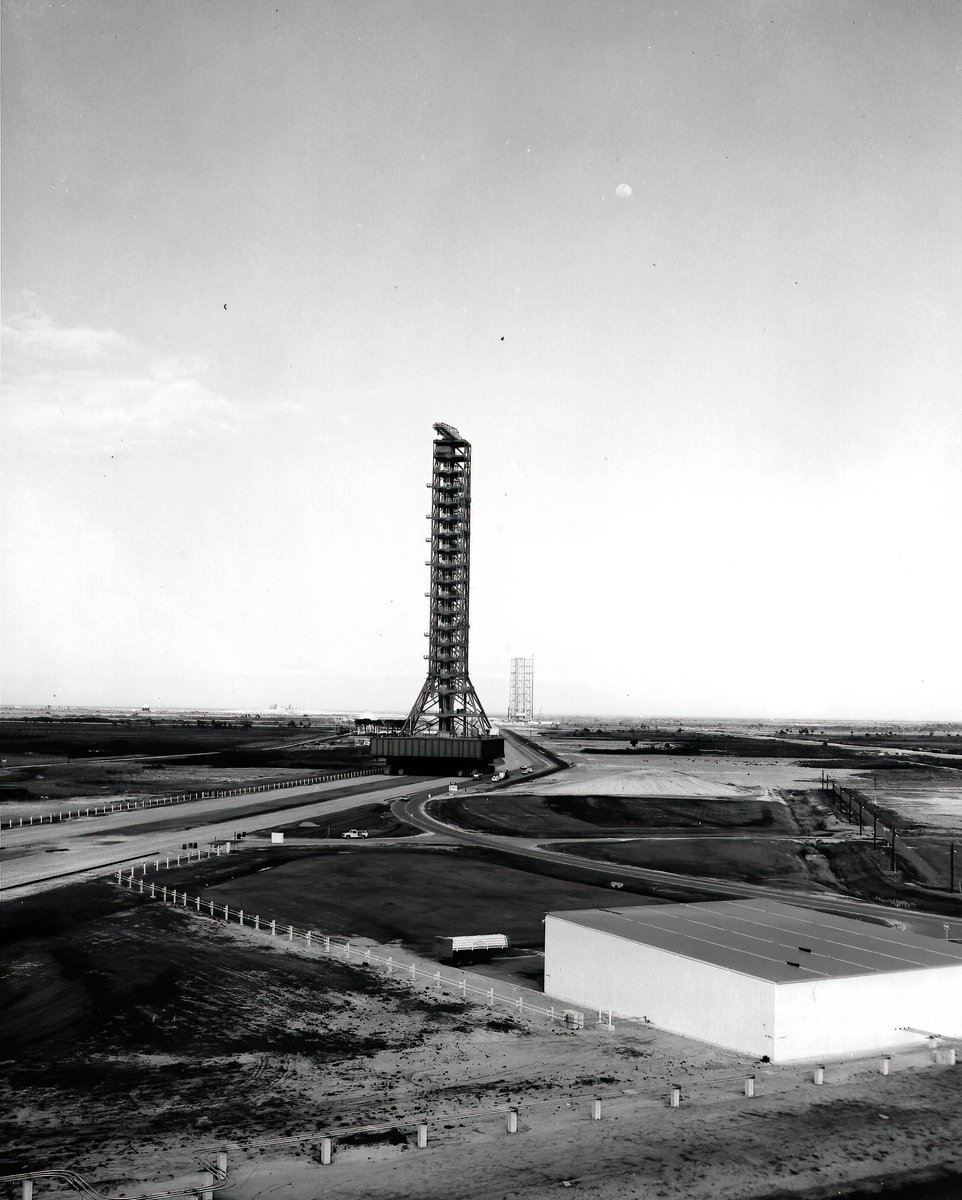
column 622, row 191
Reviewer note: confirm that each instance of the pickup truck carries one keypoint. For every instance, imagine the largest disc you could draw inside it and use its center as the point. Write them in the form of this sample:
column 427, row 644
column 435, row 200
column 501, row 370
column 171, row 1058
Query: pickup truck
column 354, row 833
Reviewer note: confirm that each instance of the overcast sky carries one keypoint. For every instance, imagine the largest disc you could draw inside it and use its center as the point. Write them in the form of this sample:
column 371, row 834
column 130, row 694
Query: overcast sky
column 252, row 251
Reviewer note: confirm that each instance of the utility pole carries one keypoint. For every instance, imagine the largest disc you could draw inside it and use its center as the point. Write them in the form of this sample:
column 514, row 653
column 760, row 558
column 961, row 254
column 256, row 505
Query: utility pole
column 894, row 835
column 951, row 866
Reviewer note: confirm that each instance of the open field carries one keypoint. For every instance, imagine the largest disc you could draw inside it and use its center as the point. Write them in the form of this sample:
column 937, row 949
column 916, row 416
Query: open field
column 923, row 798
column 674, row 774
column 556, row 814
column 405, row 895
column 750, row 860
column 51, row 760
column 162, row 1035
column 140, row 1035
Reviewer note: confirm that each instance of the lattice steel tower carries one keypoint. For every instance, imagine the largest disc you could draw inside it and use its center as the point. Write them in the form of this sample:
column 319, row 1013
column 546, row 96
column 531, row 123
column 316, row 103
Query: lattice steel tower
column 521, row 690
column 448, row 704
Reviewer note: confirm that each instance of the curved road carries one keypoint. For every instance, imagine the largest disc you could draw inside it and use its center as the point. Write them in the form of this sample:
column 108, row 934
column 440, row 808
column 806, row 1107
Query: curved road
column 415, row 812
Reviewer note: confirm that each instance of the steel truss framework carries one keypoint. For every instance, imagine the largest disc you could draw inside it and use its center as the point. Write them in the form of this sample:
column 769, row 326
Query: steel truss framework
column 521, row 690
column 448, row 705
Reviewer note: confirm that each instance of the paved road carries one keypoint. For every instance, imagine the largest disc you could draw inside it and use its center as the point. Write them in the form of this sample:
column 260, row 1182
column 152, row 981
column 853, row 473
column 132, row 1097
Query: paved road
column 48, row 856
column 415, row 812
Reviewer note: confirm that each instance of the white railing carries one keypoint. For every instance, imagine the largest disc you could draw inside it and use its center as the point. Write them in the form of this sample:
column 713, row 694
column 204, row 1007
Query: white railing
column 333, row 945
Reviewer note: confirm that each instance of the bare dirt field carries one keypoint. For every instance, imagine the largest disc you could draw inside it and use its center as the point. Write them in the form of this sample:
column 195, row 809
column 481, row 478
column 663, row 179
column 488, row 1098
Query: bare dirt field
column 556, row 814
column 161, row 1036
column 922, row 798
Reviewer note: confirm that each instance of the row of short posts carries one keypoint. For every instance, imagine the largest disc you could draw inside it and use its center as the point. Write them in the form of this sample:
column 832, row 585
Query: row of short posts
column 946, row 1055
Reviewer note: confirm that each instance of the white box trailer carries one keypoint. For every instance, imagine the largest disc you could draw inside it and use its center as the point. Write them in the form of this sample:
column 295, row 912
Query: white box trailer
column 470, row 946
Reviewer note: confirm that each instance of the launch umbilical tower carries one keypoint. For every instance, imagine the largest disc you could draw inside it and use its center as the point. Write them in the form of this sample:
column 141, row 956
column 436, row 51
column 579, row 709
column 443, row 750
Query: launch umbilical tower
column 448, row 705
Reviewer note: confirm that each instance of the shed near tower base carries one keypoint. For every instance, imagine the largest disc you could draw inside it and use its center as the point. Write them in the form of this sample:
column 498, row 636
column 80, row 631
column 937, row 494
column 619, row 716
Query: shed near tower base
column 758, row 976
column 420, row 755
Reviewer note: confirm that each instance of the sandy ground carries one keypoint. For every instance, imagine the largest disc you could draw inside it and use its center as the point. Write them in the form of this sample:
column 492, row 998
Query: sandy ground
column 928, row 798
column 670, row 775
column 792, row 1138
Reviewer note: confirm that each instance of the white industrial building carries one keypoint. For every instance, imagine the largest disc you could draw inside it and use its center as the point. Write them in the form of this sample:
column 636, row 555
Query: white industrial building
column 758, row 976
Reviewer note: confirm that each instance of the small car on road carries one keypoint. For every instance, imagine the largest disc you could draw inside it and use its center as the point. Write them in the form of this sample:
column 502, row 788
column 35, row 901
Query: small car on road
column 354, row 833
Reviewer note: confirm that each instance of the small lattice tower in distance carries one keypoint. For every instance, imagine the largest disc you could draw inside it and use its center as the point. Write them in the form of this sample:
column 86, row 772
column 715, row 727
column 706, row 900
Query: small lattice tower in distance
column 448, row 705
column 521, row 690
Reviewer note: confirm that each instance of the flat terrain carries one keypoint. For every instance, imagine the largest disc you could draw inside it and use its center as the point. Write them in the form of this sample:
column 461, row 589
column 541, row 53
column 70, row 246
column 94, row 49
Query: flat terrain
column 137, row 1037
column 162, row 1035
column 556, row 814
column 41, row 854
column 404, row 895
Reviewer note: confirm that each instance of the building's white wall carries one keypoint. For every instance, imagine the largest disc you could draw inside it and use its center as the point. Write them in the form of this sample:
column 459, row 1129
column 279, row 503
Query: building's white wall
column 834, row 1017
column 584, row 966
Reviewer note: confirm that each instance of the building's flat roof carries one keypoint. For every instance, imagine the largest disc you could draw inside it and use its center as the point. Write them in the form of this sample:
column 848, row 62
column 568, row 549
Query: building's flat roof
column 781, row 943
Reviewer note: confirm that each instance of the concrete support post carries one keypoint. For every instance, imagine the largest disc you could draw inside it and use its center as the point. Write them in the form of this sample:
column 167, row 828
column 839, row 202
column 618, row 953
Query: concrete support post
column 198, row 903
column 596, row 1109
column 390, row 964
column 463, row 986
column 674, row 1096
column 257, row 922
column 422, row 1136
column 491, row 997
column 240, row 917
column 437, row 979
column 327, row 945
column 885, row 1064
column 307, row 938
column 819, row 1078
column 164, row 895
column 140, row 883
column 26, row 1189
column 153, row 888
column 749, row 1085
column 290, row 933
column 183, row 899
column 222, row 1163
column 325, row 1152
column 206, row 1186
column 212, row 908
column 226, row 913
column 512, row 1120
column 414, row 971
column 273, row 928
